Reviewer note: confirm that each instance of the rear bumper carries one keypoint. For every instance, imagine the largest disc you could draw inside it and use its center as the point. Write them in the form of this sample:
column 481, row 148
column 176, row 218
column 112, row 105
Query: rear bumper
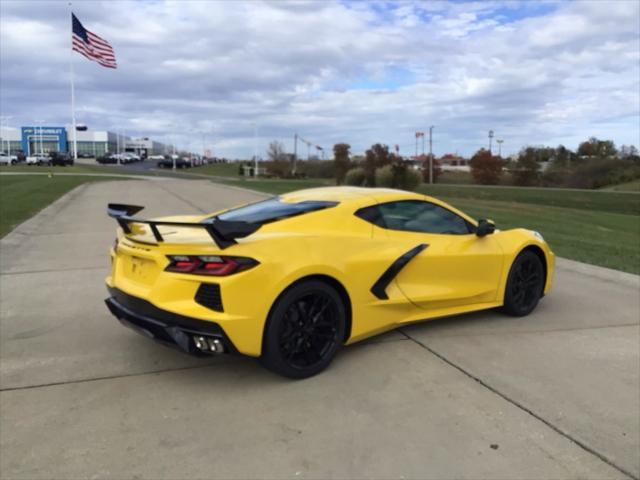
column 165, row 327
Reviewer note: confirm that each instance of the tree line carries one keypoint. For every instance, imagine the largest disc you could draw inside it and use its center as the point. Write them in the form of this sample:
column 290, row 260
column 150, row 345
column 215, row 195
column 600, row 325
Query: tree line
column 595, row 163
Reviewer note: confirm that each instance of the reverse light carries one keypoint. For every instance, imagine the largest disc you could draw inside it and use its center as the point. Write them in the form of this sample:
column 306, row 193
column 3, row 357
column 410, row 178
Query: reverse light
column 209, row 264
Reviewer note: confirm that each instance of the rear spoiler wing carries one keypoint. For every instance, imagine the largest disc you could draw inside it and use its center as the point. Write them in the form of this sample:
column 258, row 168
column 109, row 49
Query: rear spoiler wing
column 222, row 232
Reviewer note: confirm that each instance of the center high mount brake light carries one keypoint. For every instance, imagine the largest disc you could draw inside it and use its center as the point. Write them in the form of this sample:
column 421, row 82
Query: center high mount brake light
column 214, row 265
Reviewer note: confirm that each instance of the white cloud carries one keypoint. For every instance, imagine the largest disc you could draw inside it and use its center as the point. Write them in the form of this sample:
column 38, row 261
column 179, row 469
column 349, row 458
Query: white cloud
column 357, row 72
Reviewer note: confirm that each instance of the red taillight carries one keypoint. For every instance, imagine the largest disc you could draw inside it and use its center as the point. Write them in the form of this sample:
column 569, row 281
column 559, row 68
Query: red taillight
column 209, row 264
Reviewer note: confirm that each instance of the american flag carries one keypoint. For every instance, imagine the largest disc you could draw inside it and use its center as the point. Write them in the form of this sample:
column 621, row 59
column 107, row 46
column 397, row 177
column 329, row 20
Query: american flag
column 91, row 45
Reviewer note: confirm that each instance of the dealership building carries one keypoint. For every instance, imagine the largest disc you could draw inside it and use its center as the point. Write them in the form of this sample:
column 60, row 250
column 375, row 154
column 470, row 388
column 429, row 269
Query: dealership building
column 45, row 139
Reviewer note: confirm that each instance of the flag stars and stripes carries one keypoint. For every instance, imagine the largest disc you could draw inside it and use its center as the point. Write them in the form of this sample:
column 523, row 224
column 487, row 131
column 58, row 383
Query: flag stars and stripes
column 91, row 45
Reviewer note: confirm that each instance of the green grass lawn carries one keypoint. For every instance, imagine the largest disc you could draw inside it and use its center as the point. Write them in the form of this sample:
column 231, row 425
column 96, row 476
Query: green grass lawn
column 633, row 186
column 22, row 196
column 596, row 200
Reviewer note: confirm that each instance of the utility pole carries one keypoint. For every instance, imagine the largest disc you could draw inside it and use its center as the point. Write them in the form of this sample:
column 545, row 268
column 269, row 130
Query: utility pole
column 295, row 153
column 490, row 139
column 255, row 149
column 173, row 147
column 417, row 135
column 499, row 141
column 430, row 154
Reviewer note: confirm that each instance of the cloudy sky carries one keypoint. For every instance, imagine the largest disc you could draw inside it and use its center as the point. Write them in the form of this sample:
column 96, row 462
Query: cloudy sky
column 358, row 72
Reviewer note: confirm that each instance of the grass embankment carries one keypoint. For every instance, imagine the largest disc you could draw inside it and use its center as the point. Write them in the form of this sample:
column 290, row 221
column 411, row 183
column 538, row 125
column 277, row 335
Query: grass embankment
column 596, row 200
column 633, row 186
column 22, row 196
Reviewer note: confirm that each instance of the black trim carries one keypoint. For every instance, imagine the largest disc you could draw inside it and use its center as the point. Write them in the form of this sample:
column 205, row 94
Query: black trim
column 163, row 326
column 222, row 232
column 378, row 288
column 208, row 295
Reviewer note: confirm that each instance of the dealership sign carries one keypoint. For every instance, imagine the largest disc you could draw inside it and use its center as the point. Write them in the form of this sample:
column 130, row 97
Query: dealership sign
column 46, row 134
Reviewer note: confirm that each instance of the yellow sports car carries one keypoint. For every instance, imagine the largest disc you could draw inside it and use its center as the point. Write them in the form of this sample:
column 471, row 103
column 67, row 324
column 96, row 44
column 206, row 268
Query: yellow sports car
column 292, row 278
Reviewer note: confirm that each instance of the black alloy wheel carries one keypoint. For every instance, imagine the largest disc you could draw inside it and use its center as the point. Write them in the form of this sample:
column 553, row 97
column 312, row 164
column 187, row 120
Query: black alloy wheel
column 524, row 285
column 304, row 331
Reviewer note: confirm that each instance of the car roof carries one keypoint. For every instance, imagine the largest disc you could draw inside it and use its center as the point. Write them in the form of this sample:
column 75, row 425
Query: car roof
column 349, row 194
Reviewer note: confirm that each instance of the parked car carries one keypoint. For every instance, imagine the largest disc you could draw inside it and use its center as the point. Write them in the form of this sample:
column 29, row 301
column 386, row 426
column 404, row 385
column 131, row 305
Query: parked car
column 107, row 158
column 156, row 157
column 7, row 159
column 60, row 159
column 167, row 162
column 20, row 155
column 130, row 157
column 38, row 160
column 121, row 158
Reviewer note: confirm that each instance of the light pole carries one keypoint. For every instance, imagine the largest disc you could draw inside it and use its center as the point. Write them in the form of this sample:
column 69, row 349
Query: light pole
column 499, row 141
column 431, row 154
column 255, row 149
column 490, row 139
column 2, row 120
column 173, row 157
column 41, row 142
column 38, row 136
column 295, row 153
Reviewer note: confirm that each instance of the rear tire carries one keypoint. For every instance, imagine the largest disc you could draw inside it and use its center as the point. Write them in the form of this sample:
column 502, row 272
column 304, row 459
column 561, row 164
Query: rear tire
column 525, row 285
column 304, row 330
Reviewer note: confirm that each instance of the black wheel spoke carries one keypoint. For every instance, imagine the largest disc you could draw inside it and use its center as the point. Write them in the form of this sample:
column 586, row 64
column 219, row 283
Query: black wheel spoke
column 526, row 283
column 308, row 330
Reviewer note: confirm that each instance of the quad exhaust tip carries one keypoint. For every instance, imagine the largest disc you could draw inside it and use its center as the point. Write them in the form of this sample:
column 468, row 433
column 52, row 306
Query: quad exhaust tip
column 208, row 344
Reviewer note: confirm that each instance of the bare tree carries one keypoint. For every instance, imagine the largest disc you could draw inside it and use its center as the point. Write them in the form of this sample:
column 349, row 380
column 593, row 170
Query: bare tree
column 342, row 162
column 276, row 151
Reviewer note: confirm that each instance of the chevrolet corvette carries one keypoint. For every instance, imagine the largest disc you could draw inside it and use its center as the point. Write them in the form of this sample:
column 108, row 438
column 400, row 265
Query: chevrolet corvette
column 293, row 278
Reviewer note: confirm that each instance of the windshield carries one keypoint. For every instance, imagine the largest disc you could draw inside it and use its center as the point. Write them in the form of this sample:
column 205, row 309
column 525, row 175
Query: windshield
column 272, row 210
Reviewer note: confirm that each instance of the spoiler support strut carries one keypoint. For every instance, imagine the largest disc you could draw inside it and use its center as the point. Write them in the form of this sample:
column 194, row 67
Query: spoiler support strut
column 223, row 233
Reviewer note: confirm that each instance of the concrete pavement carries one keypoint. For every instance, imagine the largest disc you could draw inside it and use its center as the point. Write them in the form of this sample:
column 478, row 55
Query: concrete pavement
column 552, row 395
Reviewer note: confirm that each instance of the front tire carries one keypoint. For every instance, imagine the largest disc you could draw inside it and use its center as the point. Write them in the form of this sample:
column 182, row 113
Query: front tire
column 304, row 330
column 525, row 285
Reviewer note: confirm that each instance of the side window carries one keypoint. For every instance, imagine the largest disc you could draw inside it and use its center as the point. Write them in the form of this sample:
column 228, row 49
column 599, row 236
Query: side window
column 416, row 216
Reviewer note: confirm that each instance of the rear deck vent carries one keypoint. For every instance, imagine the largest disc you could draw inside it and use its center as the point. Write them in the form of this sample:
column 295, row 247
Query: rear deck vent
column 208, row 295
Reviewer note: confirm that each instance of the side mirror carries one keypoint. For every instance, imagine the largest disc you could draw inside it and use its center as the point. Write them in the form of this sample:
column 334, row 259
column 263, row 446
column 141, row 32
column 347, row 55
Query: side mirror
column 485, row 227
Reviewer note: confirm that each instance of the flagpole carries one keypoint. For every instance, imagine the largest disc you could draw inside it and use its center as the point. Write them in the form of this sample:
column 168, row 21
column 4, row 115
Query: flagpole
column 73, row 96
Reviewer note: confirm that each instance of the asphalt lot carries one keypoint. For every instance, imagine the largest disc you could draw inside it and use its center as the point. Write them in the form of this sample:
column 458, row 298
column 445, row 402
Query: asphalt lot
column 552, row 395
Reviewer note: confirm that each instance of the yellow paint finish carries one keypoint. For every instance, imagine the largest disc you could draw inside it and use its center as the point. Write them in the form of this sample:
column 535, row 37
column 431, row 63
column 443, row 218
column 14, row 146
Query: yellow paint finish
column 455, row 274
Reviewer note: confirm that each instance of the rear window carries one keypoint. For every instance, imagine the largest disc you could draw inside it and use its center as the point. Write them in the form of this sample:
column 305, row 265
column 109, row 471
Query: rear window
column 272, row 210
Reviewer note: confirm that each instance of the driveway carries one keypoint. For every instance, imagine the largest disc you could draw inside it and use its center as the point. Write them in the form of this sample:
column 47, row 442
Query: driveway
column 552, row 395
